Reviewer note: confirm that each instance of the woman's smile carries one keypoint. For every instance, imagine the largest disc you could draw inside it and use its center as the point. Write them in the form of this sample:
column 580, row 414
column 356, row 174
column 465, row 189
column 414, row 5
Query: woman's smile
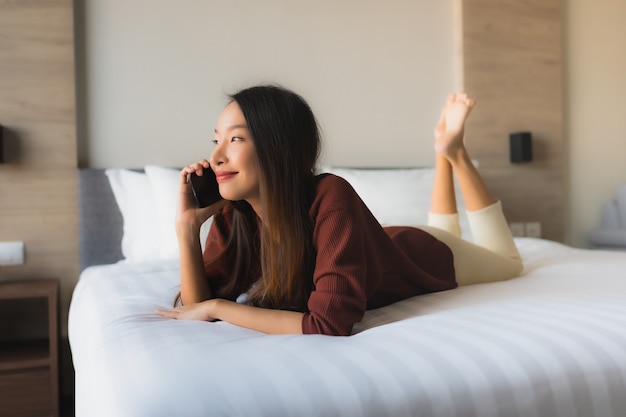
column 222, row 176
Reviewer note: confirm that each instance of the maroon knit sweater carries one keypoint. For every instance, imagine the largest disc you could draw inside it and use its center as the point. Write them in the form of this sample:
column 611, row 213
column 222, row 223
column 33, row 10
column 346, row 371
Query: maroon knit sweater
column 359, row 265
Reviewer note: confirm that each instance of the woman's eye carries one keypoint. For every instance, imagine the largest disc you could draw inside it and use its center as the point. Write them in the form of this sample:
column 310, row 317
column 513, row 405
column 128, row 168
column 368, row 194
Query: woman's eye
column 237, row 138
column 215, row 141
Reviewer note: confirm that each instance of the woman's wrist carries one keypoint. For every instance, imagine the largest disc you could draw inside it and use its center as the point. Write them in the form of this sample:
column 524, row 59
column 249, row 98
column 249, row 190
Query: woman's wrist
column 187, row 231
column 212, row 308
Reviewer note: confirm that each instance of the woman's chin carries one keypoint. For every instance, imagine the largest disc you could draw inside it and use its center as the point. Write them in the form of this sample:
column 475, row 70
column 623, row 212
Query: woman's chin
column 230, row 196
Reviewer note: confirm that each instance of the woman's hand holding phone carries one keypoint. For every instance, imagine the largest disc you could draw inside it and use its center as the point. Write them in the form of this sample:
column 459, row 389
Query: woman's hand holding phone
column 199, row 196
column 189, row 219
column 205, row 188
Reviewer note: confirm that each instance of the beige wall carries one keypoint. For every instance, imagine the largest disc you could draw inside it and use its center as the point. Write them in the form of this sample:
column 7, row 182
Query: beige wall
column 595, row 74
column 157, row 72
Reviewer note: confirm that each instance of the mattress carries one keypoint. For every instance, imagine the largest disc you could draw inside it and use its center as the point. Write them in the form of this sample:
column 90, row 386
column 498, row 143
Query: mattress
column 549, row 343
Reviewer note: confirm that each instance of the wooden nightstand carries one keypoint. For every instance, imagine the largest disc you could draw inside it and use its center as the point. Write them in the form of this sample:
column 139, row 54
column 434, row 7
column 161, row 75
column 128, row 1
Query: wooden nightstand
column 29, row 368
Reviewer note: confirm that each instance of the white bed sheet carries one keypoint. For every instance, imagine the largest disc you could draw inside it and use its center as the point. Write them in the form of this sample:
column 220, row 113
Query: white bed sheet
column 549, row 343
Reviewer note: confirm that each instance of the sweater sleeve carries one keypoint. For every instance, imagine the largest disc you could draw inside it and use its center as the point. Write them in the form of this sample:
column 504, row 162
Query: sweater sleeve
column 339, row 297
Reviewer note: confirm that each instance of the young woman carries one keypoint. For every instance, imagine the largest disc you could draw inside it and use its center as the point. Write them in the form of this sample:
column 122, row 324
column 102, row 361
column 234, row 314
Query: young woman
column 294, row 252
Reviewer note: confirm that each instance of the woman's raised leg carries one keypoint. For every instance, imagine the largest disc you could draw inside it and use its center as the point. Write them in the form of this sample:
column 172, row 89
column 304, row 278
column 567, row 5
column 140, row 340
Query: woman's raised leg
column 443, row 210
column 494, row 255
column 449, row 144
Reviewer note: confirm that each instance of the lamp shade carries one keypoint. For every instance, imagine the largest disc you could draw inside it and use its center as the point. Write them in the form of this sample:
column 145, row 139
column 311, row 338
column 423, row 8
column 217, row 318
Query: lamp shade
column 521, row 147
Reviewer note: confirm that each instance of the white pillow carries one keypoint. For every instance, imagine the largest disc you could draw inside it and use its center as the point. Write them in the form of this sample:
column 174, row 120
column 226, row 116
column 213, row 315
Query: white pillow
column 398, row 197
column 165, row 186
column 147, row 201
column 164, row 183
column 137, row 203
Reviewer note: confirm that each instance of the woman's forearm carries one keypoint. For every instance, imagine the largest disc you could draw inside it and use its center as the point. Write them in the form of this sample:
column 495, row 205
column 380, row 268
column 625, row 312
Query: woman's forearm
column 256, row 318
column 194, row 287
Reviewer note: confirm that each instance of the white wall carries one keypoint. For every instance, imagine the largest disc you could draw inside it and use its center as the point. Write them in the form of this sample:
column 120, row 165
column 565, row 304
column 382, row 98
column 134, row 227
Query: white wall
column 596, row 108
column 157, row 72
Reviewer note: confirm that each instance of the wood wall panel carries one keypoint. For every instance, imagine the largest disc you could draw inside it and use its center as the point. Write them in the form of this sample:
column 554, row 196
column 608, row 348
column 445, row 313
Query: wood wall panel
column 38, row 183
column 511, row 63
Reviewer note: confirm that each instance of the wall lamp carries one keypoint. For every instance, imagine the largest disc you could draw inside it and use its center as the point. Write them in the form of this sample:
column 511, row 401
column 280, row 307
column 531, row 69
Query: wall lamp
column 521, row 147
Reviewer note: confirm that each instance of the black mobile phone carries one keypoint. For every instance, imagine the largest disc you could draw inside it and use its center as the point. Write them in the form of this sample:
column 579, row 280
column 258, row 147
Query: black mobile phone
column 205, row 188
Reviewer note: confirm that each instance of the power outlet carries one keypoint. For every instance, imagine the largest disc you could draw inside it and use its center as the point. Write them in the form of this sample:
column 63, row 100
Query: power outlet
column 533, row 229
column 11, row 253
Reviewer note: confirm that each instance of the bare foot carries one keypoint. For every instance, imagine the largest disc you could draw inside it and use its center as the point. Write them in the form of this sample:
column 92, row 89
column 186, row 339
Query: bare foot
column 451, row 125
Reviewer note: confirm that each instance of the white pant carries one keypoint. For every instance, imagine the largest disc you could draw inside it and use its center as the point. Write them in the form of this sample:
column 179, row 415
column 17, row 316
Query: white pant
column 492, row 257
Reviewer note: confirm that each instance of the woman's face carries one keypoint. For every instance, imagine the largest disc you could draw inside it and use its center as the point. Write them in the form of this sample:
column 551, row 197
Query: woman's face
column 234, row 158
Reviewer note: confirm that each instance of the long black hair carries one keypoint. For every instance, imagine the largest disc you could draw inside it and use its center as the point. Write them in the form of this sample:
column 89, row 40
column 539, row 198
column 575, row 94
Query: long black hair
column 287, row 142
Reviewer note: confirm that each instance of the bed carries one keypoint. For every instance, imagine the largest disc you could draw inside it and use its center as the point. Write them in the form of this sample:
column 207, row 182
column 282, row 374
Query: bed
column 549, row 343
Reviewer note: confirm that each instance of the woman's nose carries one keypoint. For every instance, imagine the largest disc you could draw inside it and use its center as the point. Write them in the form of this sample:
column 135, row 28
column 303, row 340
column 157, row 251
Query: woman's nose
column 217, row 156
